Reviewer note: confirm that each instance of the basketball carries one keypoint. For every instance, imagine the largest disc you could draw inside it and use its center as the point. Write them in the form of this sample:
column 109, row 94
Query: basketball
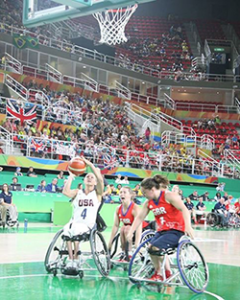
column 77, row 166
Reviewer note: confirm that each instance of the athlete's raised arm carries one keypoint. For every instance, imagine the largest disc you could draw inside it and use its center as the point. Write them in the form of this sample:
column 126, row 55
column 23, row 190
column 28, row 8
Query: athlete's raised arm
column 97, row 173
column 67, row 187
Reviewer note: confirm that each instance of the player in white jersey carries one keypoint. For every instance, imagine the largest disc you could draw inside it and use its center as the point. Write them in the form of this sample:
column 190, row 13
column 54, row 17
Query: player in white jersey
column 85, row 203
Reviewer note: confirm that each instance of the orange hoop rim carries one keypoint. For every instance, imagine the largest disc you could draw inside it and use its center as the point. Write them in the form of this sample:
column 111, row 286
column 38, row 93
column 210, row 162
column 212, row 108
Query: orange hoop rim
column 123, row 9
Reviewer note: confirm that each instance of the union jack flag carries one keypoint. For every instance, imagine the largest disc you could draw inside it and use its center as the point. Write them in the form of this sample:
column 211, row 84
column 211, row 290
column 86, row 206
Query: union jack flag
column 21, row 114
column 37, row 146
column 110, row 161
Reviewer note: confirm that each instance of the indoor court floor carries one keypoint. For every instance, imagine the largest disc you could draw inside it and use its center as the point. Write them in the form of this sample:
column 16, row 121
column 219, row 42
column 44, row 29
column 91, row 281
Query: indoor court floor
column 23, row 276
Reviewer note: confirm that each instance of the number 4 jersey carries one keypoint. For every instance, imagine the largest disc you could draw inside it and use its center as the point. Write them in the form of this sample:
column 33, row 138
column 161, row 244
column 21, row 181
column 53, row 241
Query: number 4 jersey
column 166, row 215
column 85, row 208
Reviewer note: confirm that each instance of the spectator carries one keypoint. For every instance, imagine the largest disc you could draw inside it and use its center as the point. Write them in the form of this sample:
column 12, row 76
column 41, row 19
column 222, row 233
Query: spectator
column 138, row 190
column 52, row 187
column 6, row 201
column 200, row 207
column 237, row 207
column 205, row 196
column 41, row 187
column 1, row 168
column 190, row 206
column 15, row 186
column 18, row 172
column 119, row 186
column 125, row 180
column 31, row 173
column 61, row 175
column 218, row 196
column 119, row 179
column 220, row 187
column 220, row 208
column 194, row 196
column 147, row 134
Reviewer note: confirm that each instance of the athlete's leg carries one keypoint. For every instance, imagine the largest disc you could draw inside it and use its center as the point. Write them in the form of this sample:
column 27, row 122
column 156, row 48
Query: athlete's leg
column 76, row 249
column 70, row 251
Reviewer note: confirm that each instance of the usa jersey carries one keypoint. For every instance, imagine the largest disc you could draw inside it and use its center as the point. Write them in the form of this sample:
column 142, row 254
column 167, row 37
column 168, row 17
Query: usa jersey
column 127, row 218
column 166, row 215
column 85, row 208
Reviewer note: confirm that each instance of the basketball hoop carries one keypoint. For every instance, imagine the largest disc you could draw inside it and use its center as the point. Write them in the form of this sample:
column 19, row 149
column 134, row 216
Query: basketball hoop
column 112, row 24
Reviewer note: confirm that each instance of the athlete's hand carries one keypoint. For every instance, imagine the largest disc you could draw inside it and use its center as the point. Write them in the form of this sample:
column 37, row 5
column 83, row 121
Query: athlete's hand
column 87, row 162
column 189, row 231
column 71, row 174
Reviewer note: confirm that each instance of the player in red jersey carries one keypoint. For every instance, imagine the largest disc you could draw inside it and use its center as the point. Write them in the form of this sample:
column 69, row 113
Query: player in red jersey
column 126, row 214
column 172, row 218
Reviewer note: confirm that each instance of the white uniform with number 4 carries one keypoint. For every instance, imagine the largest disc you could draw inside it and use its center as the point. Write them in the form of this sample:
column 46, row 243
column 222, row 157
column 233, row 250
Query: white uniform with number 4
column 84, row 214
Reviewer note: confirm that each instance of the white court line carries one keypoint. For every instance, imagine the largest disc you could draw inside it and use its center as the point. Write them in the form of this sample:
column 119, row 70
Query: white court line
column 207, row 240
column 97, row 276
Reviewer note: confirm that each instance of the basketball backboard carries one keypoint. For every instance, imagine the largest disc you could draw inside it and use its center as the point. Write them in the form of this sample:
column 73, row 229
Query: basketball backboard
column 41, row 12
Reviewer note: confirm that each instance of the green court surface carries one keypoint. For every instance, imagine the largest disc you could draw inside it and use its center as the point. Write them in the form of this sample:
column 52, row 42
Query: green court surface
column 28, row 281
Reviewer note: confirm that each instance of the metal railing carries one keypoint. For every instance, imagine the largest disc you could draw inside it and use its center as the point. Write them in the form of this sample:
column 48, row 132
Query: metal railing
column 83, row 52
column 106, row 157
column 123, row 92
column 53, row 74
column 206, row 107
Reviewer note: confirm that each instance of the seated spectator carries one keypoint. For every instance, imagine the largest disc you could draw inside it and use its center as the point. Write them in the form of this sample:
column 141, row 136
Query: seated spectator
column 15, row 186
column 205, row 196
column 201, row 206
column 119, row 186
column 138, row 190
column 218, row 197
column 31, row 173
column 41, row 187
column 112, row 190
column 120, row 180
column 220, row 187
column 18, row 172
column 7, row 204
column 220, row 208
column 190, row 206
column 194, row 196
column 125, row 180
column 61, row 175
column 52, row 187
column 225, row 196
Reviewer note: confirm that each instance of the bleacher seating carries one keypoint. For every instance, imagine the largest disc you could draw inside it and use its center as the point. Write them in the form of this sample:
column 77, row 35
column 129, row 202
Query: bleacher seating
column 209, row 29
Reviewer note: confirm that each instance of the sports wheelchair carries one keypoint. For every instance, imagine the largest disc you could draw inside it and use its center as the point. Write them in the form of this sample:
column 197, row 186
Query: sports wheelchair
column 57, row 254
column 187, row 265
column 116, row 254
column 9, row 222
column 215, row 219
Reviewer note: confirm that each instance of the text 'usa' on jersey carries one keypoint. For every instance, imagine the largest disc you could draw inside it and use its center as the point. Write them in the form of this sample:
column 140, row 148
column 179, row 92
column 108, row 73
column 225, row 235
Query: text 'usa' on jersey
column 166, row 215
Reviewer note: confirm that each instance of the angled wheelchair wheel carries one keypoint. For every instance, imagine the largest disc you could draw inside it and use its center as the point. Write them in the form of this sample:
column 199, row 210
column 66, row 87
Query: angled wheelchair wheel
column 55, row 252
column 100, row 252
column 114, row 248
column 140, row 266
column 192, row 267
column 147, row 235
column 213, row 219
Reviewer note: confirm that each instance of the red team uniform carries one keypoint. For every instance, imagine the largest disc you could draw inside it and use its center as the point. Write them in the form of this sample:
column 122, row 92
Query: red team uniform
column 126, row 218
column 166, row 215
column 170, row 223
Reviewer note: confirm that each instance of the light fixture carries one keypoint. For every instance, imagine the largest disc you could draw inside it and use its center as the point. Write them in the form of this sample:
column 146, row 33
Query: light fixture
column 84, row 67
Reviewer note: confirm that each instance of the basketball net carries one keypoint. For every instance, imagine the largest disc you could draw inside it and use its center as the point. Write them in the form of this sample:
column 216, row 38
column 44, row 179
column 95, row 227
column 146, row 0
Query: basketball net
column 112, row 24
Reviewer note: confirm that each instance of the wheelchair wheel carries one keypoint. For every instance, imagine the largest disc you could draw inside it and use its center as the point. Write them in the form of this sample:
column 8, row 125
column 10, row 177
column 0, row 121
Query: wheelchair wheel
column 192, row 267
column 147, row 235
column 213, row 219
column 100, row 252
column 54, row 253
column 140, row 266
column 114, row 247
